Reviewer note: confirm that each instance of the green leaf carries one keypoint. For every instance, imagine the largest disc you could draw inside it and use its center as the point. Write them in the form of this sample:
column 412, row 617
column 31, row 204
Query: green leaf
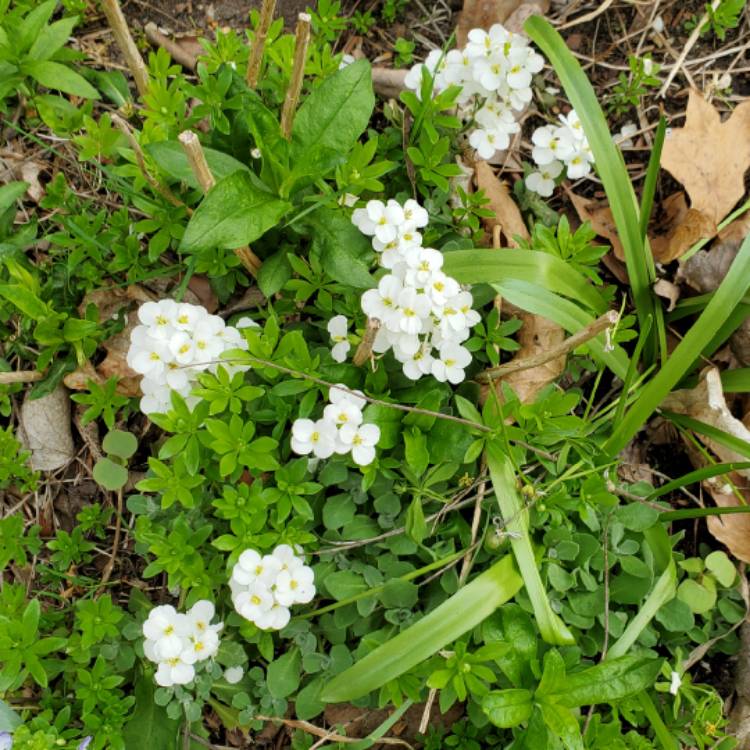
column 234, row 213
column 553, row 674
column 120, row 443
column 454, row 617
column 343, row 249
column 110, row 475
column 345, row 583
column 698, row 597
column 551, row 627
column 415, row 524
column 274, row 273
column 10, row 193
column 415, row 450
column 27, row 302
column 284, row 674
column 149, row 726
column 52, row 37
column 609, row 681
column 336, row 113
column 170, row 158
column 60, row 77
column 722, row 567
column 562, row 722
column 508, row 708
column 9, row 719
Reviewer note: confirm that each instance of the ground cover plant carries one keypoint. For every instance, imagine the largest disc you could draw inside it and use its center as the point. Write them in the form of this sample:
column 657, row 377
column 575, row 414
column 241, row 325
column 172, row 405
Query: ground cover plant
column 371, row 448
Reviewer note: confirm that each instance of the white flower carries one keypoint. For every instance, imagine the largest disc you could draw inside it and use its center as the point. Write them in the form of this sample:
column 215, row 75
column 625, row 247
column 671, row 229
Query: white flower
column 450, row 364
column 422, row 265
column 344, row 411
column 318, row 438
column 200, row 616
column 543, row 181
column 287, row 558
column 625, row 138
column 201, row 647
column 419, row 364
column 379, row 219
column 158, row 317
column 414, row 213
column 295, row 586
column 362, row 439
column 340, row 392
column 675, row 683
column 166, row 629
column 579, row 164
column 551, row 143
column 412, row 308
column 337, row 328
column 233, row 674
column 346, row 59
column 275, row 618
column 174, row 671
column 186, row 316
column 487, row 142
column 151, row 356
column 253, row 602
column 252, row 568
column 381, row 303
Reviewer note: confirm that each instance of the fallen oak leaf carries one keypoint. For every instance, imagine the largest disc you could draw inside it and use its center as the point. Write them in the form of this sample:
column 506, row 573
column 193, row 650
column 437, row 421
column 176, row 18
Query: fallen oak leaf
column 481, row 14
column 710, row 157
column 601, row 219
column 682, row 228
column 507, row 214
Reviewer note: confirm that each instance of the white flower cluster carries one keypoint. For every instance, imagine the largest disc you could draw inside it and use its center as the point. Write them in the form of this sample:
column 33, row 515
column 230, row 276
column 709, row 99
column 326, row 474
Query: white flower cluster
column 264, row 587
column 340, row 429
column 558, row 146
column 176, row 642
column 174, row 343
column 420, row 308
column 496, row 66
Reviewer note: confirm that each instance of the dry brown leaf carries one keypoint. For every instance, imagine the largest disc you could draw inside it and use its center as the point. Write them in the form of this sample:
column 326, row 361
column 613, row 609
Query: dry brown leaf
column 669, row 291
column 737, row 230
column 109, row 303
column 710, row 157
column 523, row 12
column 481, row 14
column 681, row 227
column 45, row 430
column 706, row 403
column 507, row 214
column 536, row 335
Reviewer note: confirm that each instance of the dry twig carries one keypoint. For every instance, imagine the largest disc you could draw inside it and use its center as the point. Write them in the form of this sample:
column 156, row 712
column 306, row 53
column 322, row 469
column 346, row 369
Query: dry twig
column 259, row 43
column 301, row 41
column 125, row 42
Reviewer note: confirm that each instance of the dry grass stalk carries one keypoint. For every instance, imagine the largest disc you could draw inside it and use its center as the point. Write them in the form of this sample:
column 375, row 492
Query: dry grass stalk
column 301, row 41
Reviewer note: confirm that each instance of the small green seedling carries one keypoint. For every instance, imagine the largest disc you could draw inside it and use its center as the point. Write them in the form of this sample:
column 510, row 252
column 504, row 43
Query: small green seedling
column 111, row 471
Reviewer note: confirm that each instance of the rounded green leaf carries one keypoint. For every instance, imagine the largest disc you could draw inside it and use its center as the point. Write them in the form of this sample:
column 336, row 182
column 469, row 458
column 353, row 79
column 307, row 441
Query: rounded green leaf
column 110, row 475
column 722, row 567
column 120, row 443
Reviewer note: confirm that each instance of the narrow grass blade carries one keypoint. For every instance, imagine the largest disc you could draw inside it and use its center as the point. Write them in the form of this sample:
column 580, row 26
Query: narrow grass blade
column 663, row 735
column 682, row 515
column 468, row 607
column 609, row 165
column 491, row 266
column 736, row 381
column 698, row 476
column 702, row 428
column 729, row 294
column 664, row 589
column 551, row 627
column 652, row 172
column 632, row 370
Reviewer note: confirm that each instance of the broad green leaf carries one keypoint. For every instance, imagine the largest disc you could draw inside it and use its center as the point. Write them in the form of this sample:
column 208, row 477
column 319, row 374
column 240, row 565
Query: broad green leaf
column 60, row 77
column 33, row 24
column 9, row 719
column 722, row 567
column 344, row 584
column 110, row 475
column 454, row 617
column 284, row 674
column 234, row 213
column 551, row 627
column 609, row 681
column 10, row 193
column 274, row 273
column 344, row 251
column 27, row 302
column 508, row 708
column 149, row 726
column 170, row 158
column 120, row 443
column 336, row 113
column 562, row 722
column 553, row 674
column 52, row 37
column 701, row 599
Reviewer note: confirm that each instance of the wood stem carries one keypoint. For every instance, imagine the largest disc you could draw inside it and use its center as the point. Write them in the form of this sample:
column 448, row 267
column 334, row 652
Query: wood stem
column 125, row 42
column 569, row 344
column 197, row 160
column 259, row 42
column 301, row 41
column 20, row 376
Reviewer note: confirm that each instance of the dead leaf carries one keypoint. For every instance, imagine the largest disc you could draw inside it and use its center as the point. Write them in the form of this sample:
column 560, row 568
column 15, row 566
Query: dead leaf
column 523, row 12
column 507, row 214
column 45, row 430
column 737, row 230
column 668, row 291
column 679, row 229
column 681, row 226
column 536, row 335
column 205, row 296
column 706, row 403
column 710, row 157
column 387, row 82
column 21, row 167
column 109, row 304
column 481, row 14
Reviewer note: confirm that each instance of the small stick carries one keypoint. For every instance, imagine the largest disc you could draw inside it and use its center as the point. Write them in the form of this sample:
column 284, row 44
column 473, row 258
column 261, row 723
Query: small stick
column 177, row 53
column 306, row 726
column 692, row 39
column 125, row 42
column 199, row 166
column 302, row 39
column 163, row 190
column 107, row 572
column 20, row 376
column 570, row 343
column 259, row 43
column 364, row 350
